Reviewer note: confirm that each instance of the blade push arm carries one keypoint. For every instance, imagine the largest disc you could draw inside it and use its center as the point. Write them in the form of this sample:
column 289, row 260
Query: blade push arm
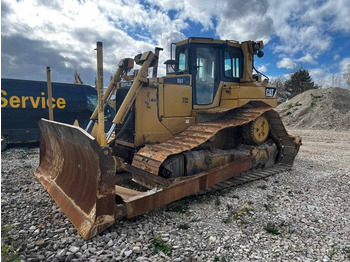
column 147, row 60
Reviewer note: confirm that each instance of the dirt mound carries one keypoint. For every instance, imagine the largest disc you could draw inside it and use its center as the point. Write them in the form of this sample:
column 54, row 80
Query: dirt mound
column 318, row 109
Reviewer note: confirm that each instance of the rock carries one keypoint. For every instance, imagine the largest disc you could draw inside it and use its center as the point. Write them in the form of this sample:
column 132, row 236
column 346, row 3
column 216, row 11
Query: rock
column 127, row 253
column 69, row 258
column 74, row 249
column 61, row 253
column 212, row 239
column 33, row 259
column 136, row 249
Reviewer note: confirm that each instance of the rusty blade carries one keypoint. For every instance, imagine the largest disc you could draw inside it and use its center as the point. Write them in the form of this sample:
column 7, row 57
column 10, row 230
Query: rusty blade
column 79, row 175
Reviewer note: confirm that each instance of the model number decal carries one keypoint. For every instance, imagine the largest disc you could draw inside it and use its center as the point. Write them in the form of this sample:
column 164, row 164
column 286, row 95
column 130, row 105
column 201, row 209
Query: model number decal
column 185, row 80
column 270, row 92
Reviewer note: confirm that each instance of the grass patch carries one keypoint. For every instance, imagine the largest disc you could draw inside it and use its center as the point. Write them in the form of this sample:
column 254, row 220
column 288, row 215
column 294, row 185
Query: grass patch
column 183, row 226
column 272, row 229
column 291, row 105
column 316, row 97
column 268, row 207
column 160, row 245
column 229, row 219
column 219, row 259
column 23, row 156
column 217, row 201
column 183, row 205
column 235, row 197
column 263, row 187
column 238, row 216
column 289, row 113
column 8, row 249
column 332, row 253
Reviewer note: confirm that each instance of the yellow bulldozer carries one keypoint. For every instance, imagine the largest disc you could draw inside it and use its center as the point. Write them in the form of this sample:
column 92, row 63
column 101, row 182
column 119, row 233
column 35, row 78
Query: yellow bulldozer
column 208, row 124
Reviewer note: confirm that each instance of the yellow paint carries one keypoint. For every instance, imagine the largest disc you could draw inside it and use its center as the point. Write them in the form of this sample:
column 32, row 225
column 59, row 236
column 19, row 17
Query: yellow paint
column 178, row 124
column 94, row 131
column 148, row 128
column 161, row 99
column 35, row 102
column 24, row 99
column 177, row 100
column 229, row 93
column 15, row 102
column 229, row 103
column 61, row 103
column 76, row 122
column 260, row 128
column 4, row 101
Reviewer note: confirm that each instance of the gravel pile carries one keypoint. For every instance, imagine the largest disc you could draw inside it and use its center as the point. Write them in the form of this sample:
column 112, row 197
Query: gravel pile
column 327, row 108
column 300, row 215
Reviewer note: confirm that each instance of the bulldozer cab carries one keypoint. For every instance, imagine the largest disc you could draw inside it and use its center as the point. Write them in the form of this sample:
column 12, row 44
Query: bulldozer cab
column 208, row 64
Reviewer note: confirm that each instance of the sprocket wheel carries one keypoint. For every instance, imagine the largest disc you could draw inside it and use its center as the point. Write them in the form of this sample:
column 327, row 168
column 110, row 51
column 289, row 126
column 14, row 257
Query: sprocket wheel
column 258, row 130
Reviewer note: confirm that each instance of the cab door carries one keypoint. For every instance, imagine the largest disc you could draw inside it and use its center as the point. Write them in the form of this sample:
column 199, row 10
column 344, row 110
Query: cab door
column 205, row 68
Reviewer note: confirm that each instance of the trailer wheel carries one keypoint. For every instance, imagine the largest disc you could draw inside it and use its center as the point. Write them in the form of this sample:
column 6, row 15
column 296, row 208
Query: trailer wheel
column 3, row 143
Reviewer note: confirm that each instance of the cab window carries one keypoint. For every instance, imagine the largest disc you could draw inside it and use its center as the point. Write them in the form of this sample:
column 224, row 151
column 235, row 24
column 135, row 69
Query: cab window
column 205, row 77
column 232, row 66
column 182, row 58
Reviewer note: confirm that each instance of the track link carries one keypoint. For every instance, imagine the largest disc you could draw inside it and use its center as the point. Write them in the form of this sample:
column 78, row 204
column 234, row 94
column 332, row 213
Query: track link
column 246, row 177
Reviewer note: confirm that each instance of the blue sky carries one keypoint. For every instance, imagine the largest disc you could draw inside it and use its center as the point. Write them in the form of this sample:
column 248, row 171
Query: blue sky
column 63, row 34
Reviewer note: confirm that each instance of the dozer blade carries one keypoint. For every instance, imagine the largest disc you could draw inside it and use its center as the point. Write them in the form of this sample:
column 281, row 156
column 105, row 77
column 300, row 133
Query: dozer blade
column 79, row 175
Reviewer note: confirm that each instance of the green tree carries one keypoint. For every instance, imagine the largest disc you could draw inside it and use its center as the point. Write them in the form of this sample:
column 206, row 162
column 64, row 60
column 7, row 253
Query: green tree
column 300, row 81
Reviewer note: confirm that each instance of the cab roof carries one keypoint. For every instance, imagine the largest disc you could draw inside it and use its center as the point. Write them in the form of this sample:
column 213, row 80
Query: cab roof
column 205, row 40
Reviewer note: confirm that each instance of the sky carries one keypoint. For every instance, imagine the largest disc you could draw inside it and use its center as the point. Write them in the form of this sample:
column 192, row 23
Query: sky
column 314, row 34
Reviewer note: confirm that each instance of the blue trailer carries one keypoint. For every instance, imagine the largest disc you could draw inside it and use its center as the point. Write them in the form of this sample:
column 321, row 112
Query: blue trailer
column 25, row 102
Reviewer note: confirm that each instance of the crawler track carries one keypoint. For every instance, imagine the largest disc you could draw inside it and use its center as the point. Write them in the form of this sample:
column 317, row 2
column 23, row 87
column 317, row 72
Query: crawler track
column 151, row 157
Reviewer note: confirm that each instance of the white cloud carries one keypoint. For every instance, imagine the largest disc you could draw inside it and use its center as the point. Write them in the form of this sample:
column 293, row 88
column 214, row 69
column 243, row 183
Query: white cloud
column 324, row 78
column 69, row 30
column 286, row 63
column 344, row 64
column 317, row 73
column 336, row 57
column 235, row 19
column 307, row 59
column 298, row 24
column 262, row 69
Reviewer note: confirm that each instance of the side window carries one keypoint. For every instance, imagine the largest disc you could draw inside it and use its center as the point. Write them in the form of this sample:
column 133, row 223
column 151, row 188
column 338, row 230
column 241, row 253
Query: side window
column 183, row 60
column 205, row 77
column 232, row 64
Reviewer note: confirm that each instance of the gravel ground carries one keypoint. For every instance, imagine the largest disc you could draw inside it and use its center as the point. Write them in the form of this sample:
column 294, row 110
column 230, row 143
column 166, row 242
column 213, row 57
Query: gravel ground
column 300, row 215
